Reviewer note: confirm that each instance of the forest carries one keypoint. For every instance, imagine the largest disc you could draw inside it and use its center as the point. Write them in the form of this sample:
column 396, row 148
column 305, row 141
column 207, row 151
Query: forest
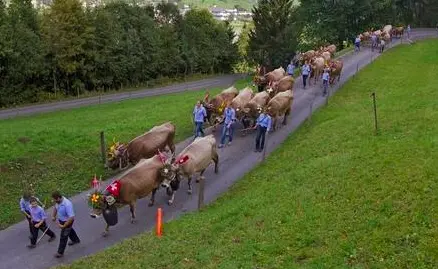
column 69, row 50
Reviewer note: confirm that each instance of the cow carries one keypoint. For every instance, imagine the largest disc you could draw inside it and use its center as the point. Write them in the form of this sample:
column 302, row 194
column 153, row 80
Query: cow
column 387, row 29
column 378, row 33
column 387, row 37
column 275, row 75
column 284, row 84
column 307, row 56
column 326, row 55
column 217, row 104
column 317, row 65
column 239, row 102
column 195, row 158
column 331, row 49
column 335, row 70
column 136, row 183
column 398, row 31
column 279, row 106
column 253, row 108
column 142, row 147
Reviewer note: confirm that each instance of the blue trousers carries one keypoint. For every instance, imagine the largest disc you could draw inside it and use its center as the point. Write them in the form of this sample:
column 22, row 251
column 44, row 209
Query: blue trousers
column 198, row 129
column 260, row 138
column 224, row 133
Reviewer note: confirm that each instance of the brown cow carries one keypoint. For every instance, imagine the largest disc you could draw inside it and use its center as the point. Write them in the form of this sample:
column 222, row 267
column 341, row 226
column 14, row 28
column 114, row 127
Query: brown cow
column 284, row 84
column 216, row 105
column 254, row 107
column 331, row 49
column 195, row 158
column 275, row 75
column 136, row 183
column 279, row 106
column 307, row 56
column 142, row 147
column 317, row 65
column 239, row 102
column 398, row 31
column 335, row 70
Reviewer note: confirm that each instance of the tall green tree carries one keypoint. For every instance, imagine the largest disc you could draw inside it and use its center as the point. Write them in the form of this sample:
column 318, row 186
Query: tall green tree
column 21, row 53
column 273, row 38
column 67, row 31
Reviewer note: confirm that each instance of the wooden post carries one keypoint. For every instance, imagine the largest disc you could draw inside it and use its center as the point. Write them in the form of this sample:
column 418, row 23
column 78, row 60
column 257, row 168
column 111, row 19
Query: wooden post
column 375, row 112
column 102, row 146
column 201, row 193
column 357, row 67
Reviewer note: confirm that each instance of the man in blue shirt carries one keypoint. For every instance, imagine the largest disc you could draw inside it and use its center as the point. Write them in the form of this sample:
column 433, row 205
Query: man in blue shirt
column 291, row 68
column 64, row 211
column 325, row 80
column 357, row 44
column 199, row 114
column 227, row 129
column 373, row 41
column 38, row 217
column 305, row 71
column 25, row 208
column 263, row 125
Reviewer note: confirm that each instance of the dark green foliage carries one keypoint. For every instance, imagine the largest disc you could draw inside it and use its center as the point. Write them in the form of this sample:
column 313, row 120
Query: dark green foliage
column 69, row 50
column 274, row 37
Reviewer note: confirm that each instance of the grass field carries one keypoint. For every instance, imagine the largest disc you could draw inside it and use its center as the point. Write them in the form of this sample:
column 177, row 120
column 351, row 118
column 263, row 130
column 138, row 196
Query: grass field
column 333, row 196
column 61, row 150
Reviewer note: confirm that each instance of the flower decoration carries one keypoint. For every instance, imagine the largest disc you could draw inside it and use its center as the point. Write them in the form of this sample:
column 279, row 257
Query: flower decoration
column 95, row 199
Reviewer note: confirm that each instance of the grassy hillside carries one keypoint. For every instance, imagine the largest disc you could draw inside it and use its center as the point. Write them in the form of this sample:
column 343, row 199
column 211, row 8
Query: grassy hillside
column 62, row 149
column 333, row 196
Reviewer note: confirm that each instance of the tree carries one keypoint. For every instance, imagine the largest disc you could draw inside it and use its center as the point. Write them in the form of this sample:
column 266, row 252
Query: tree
column 274, row 35
column 20, row 52
column 67, row 32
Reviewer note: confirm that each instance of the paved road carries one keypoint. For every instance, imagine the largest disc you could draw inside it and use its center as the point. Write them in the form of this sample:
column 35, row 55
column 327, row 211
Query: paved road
column 220, row 81
column 235, row 161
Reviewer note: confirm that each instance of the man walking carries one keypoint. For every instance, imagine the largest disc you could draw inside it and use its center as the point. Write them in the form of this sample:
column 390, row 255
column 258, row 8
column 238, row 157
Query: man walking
column 66, row 216
column 305, row 71
column 227, row 129
column 263, row 125
column 25, row 209
column 38, row 217
column 382, row 45
column 325, row 80
column 373, row 41
column 199, row 114
column 357, row 44
column 291, row 68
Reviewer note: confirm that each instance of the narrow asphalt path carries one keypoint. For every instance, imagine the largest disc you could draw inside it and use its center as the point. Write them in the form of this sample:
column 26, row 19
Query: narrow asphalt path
column 235, row 161
column 216, row 82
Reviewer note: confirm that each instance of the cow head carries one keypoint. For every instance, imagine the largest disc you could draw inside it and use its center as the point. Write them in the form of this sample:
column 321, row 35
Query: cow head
column 117, row 156
column 170, row 171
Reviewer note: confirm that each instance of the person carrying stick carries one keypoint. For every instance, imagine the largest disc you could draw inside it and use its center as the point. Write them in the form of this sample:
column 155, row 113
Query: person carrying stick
column 38, row 219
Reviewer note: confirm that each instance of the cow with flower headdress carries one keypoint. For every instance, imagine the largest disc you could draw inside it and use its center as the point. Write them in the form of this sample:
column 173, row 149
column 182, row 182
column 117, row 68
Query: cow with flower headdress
column 138, row 182
column 195, row 158
column 216, row 105
column 142, row 147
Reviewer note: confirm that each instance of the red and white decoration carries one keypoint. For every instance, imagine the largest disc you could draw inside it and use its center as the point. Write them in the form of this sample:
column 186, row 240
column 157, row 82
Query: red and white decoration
column 183, row 159
column 114, row 188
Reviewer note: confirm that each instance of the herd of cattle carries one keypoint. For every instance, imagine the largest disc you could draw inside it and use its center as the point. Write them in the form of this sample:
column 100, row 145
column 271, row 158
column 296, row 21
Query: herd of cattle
column 152, row 154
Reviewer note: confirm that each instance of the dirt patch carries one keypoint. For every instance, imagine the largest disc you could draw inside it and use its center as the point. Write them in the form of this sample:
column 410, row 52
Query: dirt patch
column 23, row 140
column 4, row 168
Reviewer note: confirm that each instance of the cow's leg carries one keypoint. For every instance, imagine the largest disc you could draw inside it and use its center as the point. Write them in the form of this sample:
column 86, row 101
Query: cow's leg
column 189, row 182
column 152, row 201
column 201, row 176
column 132, row 209
column 106, row 231
column 286, row 114
column 216, row 162
column 170, row 202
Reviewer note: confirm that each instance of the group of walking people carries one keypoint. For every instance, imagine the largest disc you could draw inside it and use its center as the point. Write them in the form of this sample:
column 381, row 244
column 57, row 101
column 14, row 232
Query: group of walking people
column 262, row 125
column 63, row 214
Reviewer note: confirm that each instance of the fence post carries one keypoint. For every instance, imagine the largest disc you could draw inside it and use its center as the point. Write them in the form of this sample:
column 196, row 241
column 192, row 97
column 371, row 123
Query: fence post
column 375, row 112
column 102, row 146
column 201, row 193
